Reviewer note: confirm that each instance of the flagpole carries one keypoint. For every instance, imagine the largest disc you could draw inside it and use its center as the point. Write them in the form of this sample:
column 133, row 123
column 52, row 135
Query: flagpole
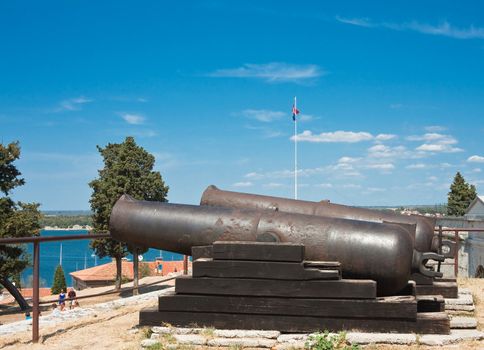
column 295, row 151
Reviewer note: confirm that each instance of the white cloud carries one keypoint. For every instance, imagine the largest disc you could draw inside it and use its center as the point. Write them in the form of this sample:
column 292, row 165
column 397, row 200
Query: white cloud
column 381, row 166
column 134, row 119
column 274, row 72
column 476, row 159
column 360, row 22
column 383, row 151
column 435, row 128
column 438, row 147
column 396, row 105
column 476, row 170
column 243, row 184
column 348, row 160
column 416, row 166
column 263, row 115
column 72, row 104
column 337, row 136
column 442, row 29
column 385, row 137
column 435, row 142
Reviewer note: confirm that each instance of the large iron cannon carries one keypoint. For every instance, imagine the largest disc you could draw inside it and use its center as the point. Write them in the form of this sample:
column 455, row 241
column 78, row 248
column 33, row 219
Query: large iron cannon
column 425, row 240
column 380, row 251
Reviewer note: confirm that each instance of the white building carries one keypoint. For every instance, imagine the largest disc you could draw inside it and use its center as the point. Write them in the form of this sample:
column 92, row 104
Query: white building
column 476, row 209
column 475, row 242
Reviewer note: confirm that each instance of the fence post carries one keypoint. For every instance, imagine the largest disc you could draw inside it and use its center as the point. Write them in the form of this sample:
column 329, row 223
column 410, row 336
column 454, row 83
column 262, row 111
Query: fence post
column 440, row 246
column 185, row 265
column 456, row 255
column 135, row 271
column 35, row 287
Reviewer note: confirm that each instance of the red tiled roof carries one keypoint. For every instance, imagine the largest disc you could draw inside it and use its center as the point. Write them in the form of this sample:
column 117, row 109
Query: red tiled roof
column 107, row 272
column 28, row 292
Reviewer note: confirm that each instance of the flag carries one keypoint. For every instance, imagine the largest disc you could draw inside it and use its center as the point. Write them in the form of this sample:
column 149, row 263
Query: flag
column 295, row 112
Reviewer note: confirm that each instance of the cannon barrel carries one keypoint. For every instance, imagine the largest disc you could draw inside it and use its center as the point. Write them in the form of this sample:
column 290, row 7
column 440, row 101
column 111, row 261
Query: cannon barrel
column 425, row 240
column 367, row 250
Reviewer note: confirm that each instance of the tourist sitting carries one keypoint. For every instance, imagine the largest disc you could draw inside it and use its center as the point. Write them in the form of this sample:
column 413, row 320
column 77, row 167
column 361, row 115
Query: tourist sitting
column 55, row 310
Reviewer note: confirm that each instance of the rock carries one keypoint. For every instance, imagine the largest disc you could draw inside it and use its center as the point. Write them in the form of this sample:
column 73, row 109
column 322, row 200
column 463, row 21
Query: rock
column 296, row 344
column 145, row 343
column 463, row 322
column 292, row 338
column 459, row 307
column 374, row 338
column 190, row 339
column 162, row 330
column 240, row 333
column 461, row 300
column 243, row 342
column 133, row 331
column 454, row 337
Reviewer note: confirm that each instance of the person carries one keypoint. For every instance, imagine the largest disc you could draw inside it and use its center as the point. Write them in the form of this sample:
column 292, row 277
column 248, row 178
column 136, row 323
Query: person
column 55, row 310
column 62, row 299
column 72, row 298
column 27, row 316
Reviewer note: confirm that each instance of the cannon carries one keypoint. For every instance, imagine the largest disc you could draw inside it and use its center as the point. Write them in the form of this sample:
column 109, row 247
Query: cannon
column 425, row 240
column 380, row 251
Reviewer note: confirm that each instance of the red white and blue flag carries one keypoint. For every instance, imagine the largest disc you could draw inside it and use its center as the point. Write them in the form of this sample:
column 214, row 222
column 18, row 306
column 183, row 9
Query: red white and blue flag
column 295, row 112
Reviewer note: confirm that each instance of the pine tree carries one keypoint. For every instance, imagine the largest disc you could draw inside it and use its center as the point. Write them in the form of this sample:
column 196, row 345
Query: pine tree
column 128, row 169
column 17, row 219
column 460, row 196
column 59, row 283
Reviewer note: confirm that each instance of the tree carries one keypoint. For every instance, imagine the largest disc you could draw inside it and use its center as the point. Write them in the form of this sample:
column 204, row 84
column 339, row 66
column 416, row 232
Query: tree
column 59, row 283
column 128, row 169
column 17, row 219
column 460, row 196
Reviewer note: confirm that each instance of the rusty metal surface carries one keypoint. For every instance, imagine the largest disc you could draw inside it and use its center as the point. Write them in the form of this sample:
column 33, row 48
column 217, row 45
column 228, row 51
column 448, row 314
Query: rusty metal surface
column 424, row 235
column 380, row 251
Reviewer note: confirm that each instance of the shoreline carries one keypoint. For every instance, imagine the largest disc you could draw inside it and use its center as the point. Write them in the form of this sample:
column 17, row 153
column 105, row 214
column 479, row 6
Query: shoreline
column 71, row 228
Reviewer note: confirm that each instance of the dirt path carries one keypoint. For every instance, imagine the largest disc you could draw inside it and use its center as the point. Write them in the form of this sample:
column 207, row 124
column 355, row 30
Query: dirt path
column 112, row 331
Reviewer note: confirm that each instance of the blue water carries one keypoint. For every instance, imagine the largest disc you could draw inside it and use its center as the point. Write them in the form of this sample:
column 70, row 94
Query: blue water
column 76, row 255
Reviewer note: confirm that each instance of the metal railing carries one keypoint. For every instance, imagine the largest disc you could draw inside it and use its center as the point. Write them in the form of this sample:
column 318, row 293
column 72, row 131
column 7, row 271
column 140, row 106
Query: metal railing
column 440, row 231
column 36, row 263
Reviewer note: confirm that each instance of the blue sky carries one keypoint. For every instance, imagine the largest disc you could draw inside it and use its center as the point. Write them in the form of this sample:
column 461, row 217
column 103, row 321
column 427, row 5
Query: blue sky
column 391, row 99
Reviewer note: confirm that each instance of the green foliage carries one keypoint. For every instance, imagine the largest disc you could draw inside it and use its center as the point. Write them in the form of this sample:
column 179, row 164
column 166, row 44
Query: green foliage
column 59, row 283
column 327, row 341
column 460, row 196
column 157, row 346
column 144, row 270
column 66, row 221
column 128, row 169
column 17, row 219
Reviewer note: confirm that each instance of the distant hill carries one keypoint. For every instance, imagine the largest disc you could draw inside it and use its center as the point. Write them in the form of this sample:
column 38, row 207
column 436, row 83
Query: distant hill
column 66, row 212
column 66, row 218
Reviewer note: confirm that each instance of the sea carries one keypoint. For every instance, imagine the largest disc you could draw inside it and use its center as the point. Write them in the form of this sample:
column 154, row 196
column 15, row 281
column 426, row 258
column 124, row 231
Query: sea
column 76, row 255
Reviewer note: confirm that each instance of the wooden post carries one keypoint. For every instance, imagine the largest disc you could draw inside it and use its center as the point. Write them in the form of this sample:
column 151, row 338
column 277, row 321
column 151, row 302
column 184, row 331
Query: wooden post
column 440, row 246
column 135, row 271
column 456, row 256
column 185, row 265
column 35, row 287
